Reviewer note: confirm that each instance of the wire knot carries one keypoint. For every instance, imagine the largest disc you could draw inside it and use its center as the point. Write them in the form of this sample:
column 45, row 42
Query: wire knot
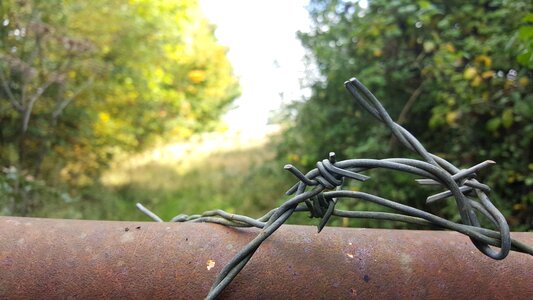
column 329, row 177
column 321, row 207
column 326, row 175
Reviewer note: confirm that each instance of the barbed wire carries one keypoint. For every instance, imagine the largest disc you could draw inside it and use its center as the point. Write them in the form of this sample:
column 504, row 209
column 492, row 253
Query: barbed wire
column 319, row 190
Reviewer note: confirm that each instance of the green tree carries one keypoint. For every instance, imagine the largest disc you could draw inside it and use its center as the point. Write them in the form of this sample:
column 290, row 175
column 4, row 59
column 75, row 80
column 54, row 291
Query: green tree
column 81, row 81
column 451, row 72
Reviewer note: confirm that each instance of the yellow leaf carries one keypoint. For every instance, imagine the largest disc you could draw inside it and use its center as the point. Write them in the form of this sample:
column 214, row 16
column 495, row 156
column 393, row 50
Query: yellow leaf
column 484, row 59
column 451, row 117
column 477, row 81
column 104, row 117
column 159, row 73
column 196, row 76
column 487, row 74
column 377, row 52
column 449, row 47
column 469, row 73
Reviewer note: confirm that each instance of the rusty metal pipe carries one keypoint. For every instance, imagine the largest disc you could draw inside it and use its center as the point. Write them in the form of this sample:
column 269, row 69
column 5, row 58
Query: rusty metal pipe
column 50, row 258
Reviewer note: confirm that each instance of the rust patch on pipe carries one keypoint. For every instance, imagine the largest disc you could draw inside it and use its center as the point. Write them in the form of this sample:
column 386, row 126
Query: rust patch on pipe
column 49, row 258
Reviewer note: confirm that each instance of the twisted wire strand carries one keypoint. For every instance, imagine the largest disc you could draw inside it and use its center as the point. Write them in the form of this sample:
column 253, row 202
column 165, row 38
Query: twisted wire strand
column 319, row 190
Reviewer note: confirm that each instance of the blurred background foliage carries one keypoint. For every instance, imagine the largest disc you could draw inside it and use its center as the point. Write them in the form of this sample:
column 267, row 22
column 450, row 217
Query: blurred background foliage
column 86, row 84
column 82, row 81
column 454, row 73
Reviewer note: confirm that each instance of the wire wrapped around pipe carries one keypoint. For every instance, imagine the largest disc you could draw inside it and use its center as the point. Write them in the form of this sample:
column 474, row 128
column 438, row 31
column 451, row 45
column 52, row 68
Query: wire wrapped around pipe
column 319, row 190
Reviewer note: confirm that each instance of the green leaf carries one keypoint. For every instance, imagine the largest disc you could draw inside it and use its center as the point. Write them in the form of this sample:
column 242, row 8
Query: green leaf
column 528, row 18
column 524, row 109
column 525, row 58
column 424, row 4
column 507, row 118
column 493, row 124
column 525, row 32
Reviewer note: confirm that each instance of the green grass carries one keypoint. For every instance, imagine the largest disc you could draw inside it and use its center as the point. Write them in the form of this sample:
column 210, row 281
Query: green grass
column 239, row 177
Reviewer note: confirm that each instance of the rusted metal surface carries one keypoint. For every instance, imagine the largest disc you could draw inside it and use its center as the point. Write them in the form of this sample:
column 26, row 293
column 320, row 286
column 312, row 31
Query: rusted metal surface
column 48, row 258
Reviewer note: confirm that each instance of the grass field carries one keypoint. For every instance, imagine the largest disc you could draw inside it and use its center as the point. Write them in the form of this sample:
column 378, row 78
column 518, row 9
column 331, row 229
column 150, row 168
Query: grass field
column 208, row 172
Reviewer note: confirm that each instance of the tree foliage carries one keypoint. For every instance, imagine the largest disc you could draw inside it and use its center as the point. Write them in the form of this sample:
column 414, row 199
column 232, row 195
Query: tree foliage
column 455, row 73
column 81, row 81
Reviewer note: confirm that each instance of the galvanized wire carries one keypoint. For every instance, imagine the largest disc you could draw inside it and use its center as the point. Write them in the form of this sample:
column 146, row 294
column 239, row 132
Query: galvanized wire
column 319, row 190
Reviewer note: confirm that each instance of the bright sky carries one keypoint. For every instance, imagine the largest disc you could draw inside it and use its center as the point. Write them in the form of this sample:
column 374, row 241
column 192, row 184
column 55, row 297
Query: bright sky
column 265, row 53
